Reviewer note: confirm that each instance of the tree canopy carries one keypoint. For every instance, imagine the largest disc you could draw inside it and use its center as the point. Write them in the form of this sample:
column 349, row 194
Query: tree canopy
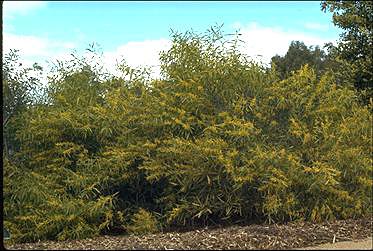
column 356, row 41
column 299, row 55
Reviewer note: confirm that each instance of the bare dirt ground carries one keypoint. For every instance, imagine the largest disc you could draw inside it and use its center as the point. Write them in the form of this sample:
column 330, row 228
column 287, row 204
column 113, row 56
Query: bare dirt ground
column 365, row 244
column 296, row 235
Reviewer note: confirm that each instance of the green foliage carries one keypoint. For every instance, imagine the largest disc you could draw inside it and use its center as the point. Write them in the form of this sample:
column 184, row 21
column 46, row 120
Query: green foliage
column 21, row 88
column 39, row 208
column 297, row 56
column 218, row 138
column 355, row 45
column 143, row 222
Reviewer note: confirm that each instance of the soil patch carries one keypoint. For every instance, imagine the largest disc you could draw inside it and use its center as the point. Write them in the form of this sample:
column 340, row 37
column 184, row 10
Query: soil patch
column 365, row 244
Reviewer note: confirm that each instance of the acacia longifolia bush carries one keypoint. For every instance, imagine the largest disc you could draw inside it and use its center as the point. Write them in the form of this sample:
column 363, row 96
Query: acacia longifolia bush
column 218, row 138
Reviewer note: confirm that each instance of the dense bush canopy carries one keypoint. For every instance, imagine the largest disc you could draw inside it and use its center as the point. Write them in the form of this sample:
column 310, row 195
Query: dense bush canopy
column 218, row 138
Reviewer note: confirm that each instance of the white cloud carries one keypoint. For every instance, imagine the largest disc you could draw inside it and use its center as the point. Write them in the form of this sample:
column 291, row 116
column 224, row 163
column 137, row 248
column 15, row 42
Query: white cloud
column 143, row 52
column 139, row 53
column 12, row 8
column 27, row 45
column 262, row 43
column 316, row 26
column 33, row 46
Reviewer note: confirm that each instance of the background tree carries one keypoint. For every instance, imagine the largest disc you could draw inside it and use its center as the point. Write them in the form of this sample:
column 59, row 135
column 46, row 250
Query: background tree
column 356, row 42
column 297, row 56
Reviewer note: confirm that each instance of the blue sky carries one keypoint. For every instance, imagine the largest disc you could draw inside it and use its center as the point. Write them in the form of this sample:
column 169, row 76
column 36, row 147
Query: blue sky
column 139, row 30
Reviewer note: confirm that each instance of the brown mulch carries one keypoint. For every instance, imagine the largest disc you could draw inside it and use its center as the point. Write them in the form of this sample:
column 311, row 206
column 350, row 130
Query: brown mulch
column 284, row 236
